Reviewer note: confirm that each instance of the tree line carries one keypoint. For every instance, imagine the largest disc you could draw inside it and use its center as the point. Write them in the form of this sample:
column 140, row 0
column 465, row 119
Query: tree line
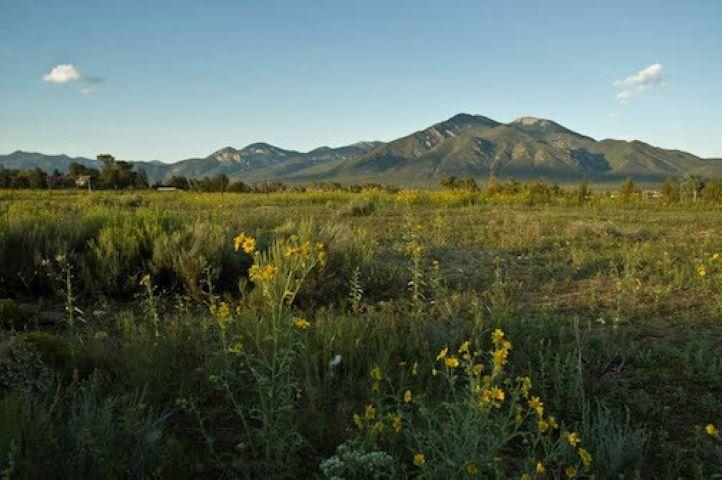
column 673, row 190
column 119, row 175
column 112, row 175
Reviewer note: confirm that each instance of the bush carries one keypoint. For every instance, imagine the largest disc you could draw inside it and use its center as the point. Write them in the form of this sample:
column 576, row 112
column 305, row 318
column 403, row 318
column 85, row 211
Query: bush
column 360, row 206
column 52, row 350
column 11, row 316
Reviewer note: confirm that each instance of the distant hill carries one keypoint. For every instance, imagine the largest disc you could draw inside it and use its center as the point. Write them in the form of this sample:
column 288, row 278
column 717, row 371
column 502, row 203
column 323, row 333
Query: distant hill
column 30, row 160
column 463, row 146
column 261, row 161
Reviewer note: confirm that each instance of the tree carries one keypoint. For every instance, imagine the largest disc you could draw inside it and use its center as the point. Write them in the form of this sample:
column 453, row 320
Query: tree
column 178, row 181
column 37, row 178
column 238, row 187
column 141, row 179
column 4, row 177
column 512, row 186
column 691, row 186
column 75, row 169
column 671, row 190
column 713, row 191
column 582, row 191
column 448, row 182
column 221, row 182
column 492, row 185
column 468, row 184
column 626, row 190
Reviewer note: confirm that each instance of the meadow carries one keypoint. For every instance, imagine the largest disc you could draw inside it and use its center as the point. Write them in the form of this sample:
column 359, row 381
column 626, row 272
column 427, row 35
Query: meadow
column 413, row 334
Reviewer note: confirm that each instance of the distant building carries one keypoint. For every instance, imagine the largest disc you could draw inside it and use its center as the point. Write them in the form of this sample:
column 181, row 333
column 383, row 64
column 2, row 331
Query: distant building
column 652, row 194
column 166, row 189
column 82, row 181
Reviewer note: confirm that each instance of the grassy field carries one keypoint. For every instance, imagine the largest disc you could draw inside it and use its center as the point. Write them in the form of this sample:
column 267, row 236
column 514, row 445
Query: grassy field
column 423, row 334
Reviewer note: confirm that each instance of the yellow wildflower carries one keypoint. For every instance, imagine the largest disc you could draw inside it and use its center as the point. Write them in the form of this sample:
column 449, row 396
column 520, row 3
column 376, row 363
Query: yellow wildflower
column 540, row 469
column 497, row 336
column 570, row 472
column 249, row 245
column 369, row 412
column 543, row 425
column 301, row 323
column 536, row 405
column 497, row 394
column 711, row 430
column 573, row 439
column 238, row 241
column 221, row 311
column 407, row 396
column 305, row 250
column 500, row 357
column 526, row 476
column 477, row 369
column 396, row 423
column 419, row 459
column 716, row 256
column 451, row 362
column 236, row 348
column 415, row 369
column 525, row 383
column 145, row 281
column 485, row 396
column 472, row 470
column 553, row 423
column 701, row 271
column 357, row 421
column 259, row 274
column 269, row 272
column 464, row 348
column 586, row 457
column 442, row 354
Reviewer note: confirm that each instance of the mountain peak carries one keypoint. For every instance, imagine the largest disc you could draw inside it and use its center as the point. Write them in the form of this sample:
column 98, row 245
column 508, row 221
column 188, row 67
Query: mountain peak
column 464, row 119
column 541, row 127
column 542, row 122
column 263, row 148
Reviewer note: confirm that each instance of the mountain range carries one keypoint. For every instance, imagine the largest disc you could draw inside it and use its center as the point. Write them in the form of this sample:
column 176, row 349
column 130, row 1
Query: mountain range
column 463, row 146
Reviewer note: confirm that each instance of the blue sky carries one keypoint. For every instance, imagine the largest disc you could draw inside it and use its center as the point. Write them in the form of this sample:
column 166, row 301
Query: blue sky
column 173, row 80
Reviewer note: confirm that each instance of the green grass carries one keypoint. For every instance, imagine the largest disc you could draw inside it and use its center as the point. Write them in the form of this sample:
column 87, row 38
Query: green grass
column 202, row 373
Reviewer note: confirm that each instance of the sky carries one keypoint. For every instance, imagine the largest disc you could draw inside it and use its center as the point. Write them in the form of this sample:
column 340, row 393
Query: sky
column 155, row 80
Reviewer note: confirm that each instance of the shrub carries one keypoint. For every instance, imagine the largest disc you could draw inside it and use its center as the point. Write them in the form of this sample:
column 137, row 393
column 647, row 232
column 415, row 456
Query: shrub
column 360, row 206
column 11, row 316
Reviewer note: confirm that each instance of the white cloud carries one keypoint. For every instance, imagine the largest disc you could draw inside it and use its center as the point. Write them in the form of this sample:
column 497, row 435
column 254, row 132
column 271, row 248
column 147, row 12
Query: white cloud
column 63, row 73
column 635, row 84
column 69, row 73
column 652, row 75
column 612, row 115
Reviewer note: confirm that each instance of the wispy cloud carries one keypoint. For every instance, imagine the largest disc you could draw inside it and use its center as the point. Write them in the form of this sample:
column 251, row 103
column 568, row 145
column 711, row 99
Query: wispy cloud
column 633, row 85
column 67, row 73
